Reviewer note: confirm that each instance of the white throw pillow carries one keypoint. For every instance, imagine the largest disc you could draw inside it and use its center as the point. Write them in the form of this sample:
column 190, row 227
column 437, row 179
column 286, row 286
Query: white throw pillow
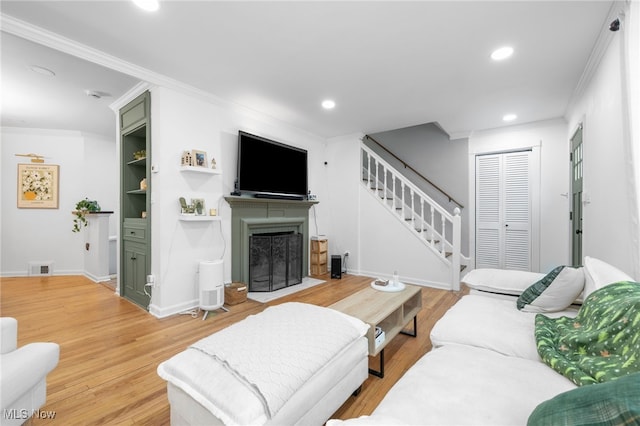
column 599, row 274
column 503, row 281
column 554, row 292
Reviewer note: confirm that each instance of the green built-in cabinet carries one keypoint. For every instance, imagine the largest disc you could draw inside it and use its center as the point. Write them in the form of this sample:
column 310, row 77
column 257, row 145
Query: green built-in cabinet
column 135, row 202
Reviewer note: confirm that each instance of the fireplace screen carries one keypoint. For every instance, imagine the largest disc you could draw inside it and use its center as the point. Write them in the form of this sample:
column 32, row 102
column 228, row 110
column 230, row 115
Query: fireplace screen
column 275, row 261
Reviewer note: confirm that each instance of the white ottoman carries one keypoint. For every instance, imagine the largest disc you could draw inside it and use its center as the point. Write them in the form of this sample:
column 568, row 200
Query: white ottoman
column 293, row 363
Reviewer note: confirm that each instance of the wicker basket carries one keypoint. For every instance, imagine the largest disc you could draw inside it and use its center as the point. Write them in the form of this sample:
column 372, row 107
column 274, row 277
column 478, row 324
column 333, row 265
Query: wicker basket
column 235, row 293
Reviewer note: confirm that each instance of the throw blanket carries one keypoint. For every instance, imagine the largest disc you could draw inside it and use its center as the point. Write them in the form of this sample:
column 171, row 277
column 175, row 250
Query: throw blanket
column 276, row 352
column 601, row 343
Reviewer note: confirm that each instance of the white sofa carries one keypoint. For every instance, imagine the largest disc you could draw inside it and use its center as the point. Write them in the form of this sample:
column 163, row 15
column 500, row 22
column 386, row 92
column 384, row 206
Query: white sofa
column 23, row 372
column 484, row 368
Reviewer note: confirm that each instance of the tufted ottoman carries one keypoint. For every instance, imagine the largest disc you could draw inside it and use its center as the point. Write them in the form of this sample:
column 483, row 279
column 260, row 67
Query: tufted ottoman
column 293, row 363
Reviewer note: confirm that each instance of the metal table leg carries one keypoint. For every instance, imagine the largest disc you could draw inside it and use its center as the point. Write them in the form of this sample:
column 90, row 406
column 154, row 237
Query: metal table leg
column 379, row 373
column 415, row 328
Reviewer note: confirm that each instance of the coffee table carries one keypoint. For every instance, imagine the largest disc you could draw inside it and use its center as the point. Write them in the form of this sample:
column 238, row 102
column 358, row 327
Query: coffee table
column 391, row 311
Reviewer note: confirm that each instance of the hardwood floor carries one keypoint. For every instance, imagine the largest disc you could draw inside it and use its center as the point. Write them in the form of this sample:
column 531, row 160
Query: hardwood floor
column 110, row 348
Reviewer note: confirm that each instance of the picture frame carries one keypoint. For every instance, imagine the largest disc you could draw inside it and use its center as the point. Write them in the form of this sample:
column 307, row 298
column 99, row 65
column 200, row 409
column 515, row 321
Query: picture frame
column 199, row 158
column 199, row 206
column 38, row 186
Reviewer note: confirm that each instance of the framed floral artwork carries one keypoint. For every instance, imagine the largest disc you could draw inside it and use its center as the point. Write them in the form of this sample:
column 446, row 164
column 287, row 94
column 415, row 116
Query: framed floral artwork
column 38, row 186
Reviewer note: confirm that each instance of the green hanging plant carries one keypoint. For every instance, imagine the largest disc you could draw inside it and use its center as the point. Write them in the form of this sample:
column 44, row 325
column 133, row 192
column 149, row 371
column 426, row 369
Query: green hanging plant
column 82, row 208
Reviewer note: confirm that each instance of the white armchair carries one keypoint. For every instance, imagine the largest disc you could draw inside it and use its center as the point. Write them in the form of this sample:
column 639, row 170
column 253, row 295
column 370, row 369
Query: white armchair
column 23, row 372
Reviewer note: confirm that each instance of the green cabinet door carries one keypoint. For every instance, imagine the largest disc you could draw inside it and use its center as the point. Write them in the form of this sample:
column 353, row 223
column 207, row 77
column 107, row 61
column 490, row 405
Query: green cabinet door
column 135, row 273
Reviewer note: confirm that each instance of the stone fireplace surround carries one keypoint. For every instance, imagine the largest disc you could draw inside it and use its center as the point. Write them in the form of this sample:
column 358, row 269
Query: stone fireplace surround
column 259, row 215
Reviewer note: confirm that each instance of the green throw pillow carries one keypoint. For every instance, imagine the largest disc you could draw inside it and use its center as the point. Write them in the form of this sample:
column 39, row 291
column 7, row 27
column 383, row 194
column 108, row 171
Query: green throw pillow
column 554, row 292
column 611, row 403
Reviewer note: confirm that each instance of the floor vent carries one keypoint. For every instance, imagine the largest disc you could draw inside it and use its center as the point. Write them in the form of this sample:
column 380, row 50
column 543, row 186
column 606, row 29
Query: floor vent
column 40, row 268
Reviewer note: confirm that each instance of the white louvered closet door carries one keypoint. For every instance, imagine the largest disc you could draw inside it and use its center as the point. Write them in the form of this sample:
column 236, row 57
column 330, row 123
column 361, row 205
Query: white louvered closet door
column 503, row 211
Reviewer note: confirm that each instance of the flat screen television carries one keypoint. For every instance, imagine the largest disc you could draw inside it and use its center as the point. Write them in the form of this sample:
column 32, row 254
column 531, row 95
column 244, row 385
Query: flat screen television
column 270, row 169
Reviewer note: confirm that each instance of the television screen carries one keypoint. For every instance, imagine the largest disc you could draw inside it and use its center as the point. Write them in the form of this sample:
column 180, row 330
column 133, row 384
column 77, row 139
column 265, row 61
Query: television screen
column 269, row 168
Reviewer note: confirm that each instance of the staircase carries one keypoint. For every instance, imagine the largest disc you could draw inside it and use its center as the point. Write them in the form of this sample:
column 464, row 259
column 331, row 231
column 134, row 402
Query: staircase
column 438, row 229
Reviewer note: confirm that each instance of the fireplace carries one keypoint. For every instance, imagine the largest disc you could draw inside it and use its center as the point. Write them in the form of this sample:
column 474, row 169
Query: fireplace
column 257, row 216
column 275, row 260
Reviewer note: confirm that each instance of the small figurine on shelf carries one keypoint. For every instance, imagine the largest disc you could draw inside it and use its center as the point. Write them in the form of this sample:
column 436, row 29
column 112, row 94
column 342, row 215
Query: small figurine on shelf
column 139, row 155
column 184, row 208
column 143, row 184
column 187, row 159
column 213, row 163
column 198, row 204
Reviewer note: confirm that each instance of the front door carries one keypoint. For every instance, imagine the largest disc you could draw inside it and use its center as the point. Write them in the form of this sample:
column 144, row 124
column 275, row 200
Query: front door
column 577, row 172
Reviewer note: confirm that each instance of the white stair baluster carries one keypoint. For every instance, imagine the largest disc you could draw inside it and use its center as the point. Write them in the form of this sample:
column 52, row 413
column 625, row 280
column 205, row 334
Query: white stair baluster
column 386, row 188
column 413, row 209
column 442, row 243
column 432, row 222
column 369, row 160
column 422, row 230
column 402, row 200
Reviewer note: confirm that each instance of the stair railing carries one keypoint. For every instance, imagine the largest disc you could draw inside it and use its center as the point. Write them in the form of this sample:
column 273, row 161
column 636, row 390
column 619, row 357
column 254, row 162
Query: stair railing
column 430, row 222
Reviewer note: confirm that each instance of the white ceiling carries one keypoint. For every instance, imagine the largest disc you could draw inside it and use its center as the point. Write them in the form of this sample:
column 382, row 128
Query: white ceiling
column 387, row 64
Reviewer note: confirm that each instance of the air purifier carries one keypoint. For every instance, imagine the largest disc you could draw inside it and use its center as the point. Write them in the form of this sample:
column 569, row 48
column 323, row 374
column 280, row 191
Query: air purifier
column 211, row 286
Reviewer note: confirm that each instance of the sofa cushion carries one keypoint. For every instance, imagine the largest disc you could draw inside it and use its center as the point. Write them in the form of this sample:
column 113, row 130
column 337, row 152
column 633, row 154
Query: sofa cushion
column 487, row 322
column 502, row 281
column 613, row 402
column 599, row 274
column 463, row 385
column 554, row 292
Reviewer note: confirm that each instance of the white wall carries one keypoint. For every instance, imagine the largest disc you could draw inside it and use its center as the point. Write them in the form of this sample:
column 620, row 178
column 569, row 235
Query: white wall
column 551, row 144
column 88, row 168
column 608, row 211
column 342, row 200
column 388, row 246
column 181, row 122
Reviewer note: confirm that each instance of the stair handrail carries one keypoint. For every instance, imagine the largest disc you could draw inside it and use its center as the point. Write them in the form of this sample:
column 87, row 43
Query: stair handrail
column 455, row 243
column 408, row 166
column 408, row 183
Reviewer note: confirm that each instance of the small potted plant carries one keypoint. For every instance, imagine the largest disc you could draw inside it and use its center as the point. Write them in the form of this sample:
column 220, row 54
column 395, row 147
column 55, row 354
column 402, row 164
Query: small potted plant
column 82, row 208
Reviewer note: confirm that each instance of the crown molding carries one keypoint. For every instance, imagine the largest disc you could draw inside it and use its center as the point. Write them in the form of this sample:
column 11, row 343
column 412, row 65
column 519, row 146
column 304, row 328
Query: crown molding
column 599, row 49
column 63, row 44
column 55, row 41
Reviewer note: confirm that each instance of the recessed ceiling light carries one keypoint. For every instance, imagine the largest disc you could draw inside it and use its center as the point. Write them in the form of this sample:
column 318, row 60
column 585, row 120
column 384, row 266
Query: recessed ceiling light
column 148, row 5
column 509, row 117
column 502, row 53
column 42, row 70
column 328, row 104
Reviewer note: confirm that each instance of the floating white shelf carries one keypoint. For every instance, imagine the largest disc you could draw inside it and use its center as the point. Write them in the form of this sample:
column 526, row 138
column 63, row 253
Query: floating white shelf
column 194, row 218
column 196, row 169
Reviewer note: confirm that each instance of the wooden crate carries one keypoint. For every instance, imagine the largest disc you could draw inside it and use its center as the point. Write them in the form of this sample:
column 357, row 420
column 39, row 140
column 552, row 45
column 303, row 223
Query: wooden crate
column 235, row 293
column 319, row 257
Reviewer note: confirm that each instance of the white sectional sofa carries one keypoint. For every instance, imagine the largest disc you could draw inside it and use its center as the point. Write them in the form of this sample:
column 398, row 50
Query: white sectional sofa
column 484, row 368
